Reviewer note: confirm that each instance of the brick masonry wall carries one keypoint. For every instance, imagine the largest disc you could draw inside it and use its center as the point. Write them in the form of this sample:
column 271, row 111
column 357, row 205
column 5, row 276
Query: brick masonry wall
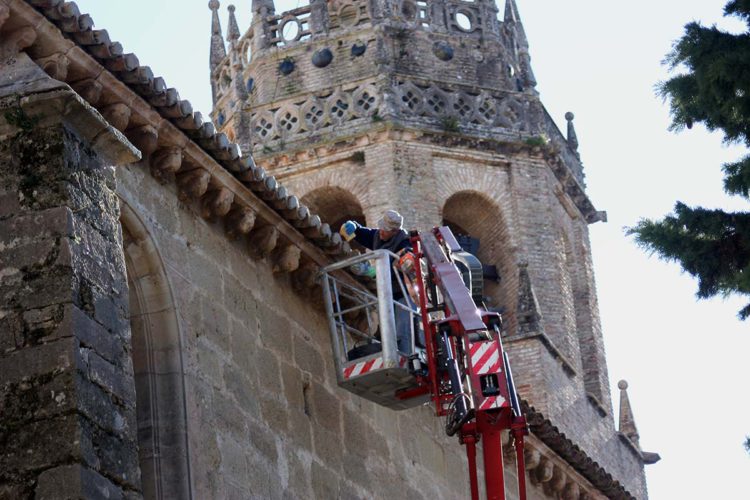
column 67, row 401
column 513, row 203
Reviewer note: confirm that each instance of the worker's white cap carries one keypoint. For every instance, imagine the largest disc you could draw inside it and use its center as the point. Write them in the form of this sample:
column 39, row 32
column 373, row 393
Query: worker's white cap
column 391, row 221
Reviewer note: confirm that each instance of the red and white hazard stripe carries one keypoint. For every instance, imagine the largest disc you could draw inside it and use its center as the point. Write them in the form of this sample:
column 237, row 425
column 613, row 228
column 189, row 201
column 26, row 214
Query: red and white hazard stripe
column 363, row 367
column 492, row 402
column 485, row 357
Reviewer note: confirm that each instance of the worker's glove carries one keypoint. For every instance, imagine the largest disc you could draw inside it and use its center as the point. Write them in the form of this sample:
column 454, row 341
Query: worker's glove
column 348, row 230
column 363, row 269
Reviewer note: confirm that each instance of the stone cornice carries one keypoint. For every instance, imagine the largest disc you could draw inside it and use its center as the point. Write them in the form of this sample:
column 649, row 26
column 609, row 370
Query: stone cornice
column 558, row 442
column 178, row 146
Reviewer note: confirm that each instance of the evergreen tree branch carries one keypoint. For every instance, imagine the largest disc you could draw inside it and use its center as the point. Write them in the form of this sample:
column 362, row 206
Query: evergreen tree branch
column 711, row 245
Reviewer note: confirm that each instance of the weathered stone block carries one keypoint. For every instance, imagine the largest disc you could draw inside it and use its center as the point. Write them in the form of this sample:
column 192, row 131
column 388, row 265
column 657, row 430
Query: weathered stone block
column 38, row 445
column 324, row 481
column 325, row 408
column 244, row 392
column 36, row 398
column 267, row 369
column 111, row 378
column 262, row 439
column 328, row 447
column 35, row 226
column 97, row 404
column 30, row 362
column 275, row 413
column 233, row 460
column 308, row 358
column 75, row 481
column 274, row 327
column 117, row 456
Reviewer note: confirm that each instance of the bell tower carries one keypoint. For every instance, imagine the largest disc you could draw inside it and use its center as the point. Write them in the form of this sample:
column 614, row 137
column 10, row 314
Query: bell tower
column 430, row 107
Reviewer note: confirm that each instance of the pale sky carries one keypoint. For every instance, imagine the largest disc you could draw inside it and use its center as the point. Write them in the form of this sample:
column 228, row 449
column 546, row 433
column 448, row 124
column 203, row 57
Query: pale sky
column 685, row 360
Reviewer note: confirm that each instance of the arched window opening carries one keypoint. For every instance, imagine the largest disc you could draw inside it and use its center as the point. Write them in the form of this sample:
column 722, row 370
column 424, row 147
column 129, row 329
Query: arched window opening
column 157, row 366
column 477, row 223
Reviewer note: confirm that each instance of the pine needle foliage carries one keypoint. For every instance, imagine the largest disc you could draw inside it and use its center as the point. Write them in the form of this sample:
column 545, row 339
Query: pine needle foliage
column 713, row 88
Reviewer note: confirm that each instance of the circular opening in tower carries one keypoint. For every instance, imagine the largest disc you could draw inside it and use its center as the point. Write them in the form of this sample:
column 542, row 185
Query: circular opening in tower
column 289, row 30
column 348, row 16
column 463, row 21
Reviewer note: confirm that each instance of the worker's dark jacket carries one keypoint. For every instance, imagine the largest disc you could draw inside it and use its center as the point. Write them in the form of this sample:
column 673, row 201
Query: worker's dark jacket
column 370, row 238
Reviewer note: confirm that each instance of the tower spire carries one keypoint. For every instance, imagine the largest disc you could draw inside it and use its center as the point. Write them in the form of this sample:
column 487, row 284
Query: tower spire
column 218, row 51
column 511, row 12
column 233, row 31
column 520, row 48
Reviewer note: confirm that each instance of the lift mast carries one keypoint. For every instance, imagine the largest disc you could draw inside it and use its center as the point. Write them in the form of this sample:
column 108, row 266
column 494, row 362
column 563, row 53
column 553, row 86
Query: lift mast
column 469, row 376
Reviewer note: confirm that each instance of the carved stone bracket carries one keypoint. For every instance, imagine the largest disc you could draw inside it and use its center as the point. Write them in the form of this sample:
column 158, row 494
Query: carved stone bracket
column 263, row 241
column 193, row 184
column 239, row 222
column 165, row 163
column 217, row 203
column 287, row 259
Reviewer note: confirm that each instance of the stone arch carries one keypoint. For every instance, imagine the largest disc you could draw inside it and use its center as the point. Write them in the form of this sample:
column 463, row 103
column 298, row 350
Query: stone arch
column 157, row 366
column 474, row 214
column 335, row 205
column 344, row 181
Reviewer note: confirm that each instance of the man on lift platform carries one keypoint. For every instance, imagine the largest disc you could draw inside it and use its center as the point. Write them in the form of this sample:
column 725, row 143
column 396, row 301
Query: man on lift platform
column 389, row 235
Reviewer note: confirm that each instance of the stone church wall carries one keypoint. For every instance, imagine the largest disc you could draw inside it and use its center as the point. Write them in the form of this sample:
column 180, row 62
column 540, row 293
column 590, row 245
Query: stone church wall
column 264, row 414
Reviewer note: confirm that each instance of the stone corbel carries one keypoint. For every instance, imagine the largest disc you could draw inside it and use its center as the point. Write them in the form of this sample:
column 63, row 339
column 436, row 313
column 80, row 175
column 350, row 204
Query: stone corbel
column 544, row 472
column 145, row 138
column 165, row 163
column 193, row 184
column 263, row 241
column 532, row 458
column 304, row 278
column 15, row 41
column 217, row 203
column 239, row 222
column 572, row 491
column 89, row 89
column 287, row 259
column 117, row 114
column 558, row 481
column 55, row 65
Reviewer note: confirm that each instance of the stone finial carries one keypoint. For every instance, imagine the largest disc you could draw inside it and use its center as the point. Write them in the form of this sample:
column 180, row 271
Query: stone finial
column 627, row 425
column 627, row 421
column 260, row 5
column 218, row 50
column 511, row 12
column 514, row 27
column 572, row 137
column 233, row 30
